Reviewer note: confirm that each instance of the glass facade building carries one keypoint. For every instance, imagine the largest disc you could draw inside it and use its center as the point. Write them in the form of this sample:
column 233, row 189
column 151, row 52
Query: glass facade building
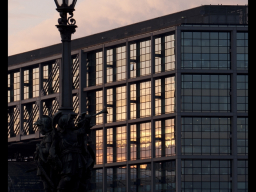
column 176, row 95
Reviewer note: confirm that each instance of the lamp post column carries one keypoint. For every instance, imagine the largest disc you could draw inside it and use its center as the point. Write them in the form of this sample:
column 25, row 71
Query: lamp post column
column 66, row 101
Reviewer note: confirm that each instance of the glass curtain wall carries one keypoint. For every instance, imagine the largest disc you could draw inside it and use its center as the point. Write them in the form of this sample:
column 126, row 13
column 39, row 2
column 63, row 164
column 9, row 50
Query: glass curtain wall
column 205, row 50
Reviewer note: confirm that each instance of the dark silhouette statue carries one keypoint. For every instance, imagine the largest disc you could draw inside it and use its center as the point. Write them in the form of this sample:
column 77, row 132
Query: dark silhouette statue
column 65, row 157
column 44, row 170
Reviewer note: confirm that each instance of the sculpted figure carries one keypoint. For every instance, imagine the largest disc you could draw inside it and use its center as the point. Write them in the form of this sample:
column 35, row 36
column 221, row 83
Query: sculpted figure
column 44, row 170
column 65, row 155
column 70, row 147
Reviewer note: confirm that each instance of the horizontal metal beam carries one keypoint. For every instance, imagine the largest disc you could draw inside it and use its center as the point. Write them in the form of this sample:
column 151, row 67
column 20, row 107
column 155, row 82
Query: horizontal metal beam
column 205, row 28
column 161, row 31
column 164, row 74
column 114, row 43
column 206, row 114
column 205, row 71
column 38, row 61
column 116, row 83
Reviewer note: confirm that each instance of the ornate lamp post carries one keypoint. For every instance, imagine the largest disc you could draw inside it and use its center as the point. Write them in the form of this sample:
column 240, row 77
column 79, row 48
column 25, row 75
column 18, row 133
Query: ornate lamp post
column 63, row 149
column 66, row 27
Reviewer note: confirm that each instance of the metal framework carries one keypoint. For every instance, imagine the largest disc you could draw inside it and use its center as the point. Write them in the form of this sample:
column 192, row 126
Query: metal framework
column 48, row 103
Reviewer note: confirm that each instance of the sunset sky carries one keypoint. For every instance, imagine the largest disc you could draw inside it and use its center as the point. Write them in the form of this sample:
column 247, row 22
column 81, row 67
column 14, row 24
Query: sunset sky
column 31, row 23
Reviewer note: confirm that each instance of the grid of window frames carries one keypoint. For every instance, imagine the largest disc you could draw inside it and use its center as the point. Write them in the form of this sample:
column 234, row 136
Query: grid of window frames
column 116, row 144
column 75, row 72
column 94, row 69
column 140, row 176
column 140, row 58
column 31, row 83
column 99, row 107
column 205, row 136
column 242, row 175
column 242, row 93
column 242, row 50
column 205, row 93
column 199, row 135
column 26, row 84
column 116, row 64
column 206, row 175
column 16, row 86
column 95, row 105
column 13, row 121
column 50, row 107
column 164, row 138
column 51, row 78
column 116, row 179
column 96, row 182
column 164, row 53
column 116, row 104
column 242, row 135
column 76, row 106
column 133, row 142
column 164, row 95
column 99, row 146
column 205, row 50
column 45, row 77
column 165, row 176
column 36, row 82
column 140, row 100
column 31, row 115
column 54, row 76
column 140, row 141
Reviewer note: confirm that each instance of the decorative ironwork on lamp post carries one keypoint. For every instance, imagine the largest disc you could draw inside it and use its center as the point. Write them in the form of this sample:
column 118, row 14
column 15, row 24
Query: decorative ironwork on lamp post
column 66, row 28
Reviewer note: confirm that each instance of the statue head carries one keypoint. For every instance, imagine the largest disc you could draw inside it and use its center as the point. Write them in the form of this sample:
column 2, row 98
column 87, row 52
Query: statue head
column 44, row 124
column 64, row 121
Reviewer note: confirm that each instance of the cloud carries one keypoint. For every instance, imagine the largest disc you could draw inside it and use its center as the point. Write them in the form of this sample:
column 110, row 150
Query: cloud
column 22, row 16
column 44, row 34
column 98, row 16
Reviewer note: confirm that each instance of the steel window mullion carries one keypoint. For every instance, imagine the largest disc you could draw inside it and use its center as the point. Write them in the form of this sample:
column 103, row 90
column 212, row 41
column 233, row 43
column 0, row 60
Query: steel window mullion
column 137, row 59
column 104, row 102
column 82, row 81
column 21, row 115
column 233, row 107
column 127, row 116
column 152, row 112
column 30, row 91
column 178, row 106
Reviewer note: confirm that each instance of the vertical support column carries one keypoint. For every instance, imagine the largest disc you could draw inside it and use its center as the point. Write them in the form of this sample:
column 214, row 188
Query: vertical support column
column 233, row 107
column 65, row 78
column 40, row 89
column 178, row 107
column 39, row 101
column 163, row 96
column 114, row 104
column 82, row 81
column 163, row 53
column 152, row 113
column 114, row 65
column 138, row 141
column 21, row 98
column 128, row 116
column 137, row 99
column 104, row 91
column 30, row 93
column 137, row 59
